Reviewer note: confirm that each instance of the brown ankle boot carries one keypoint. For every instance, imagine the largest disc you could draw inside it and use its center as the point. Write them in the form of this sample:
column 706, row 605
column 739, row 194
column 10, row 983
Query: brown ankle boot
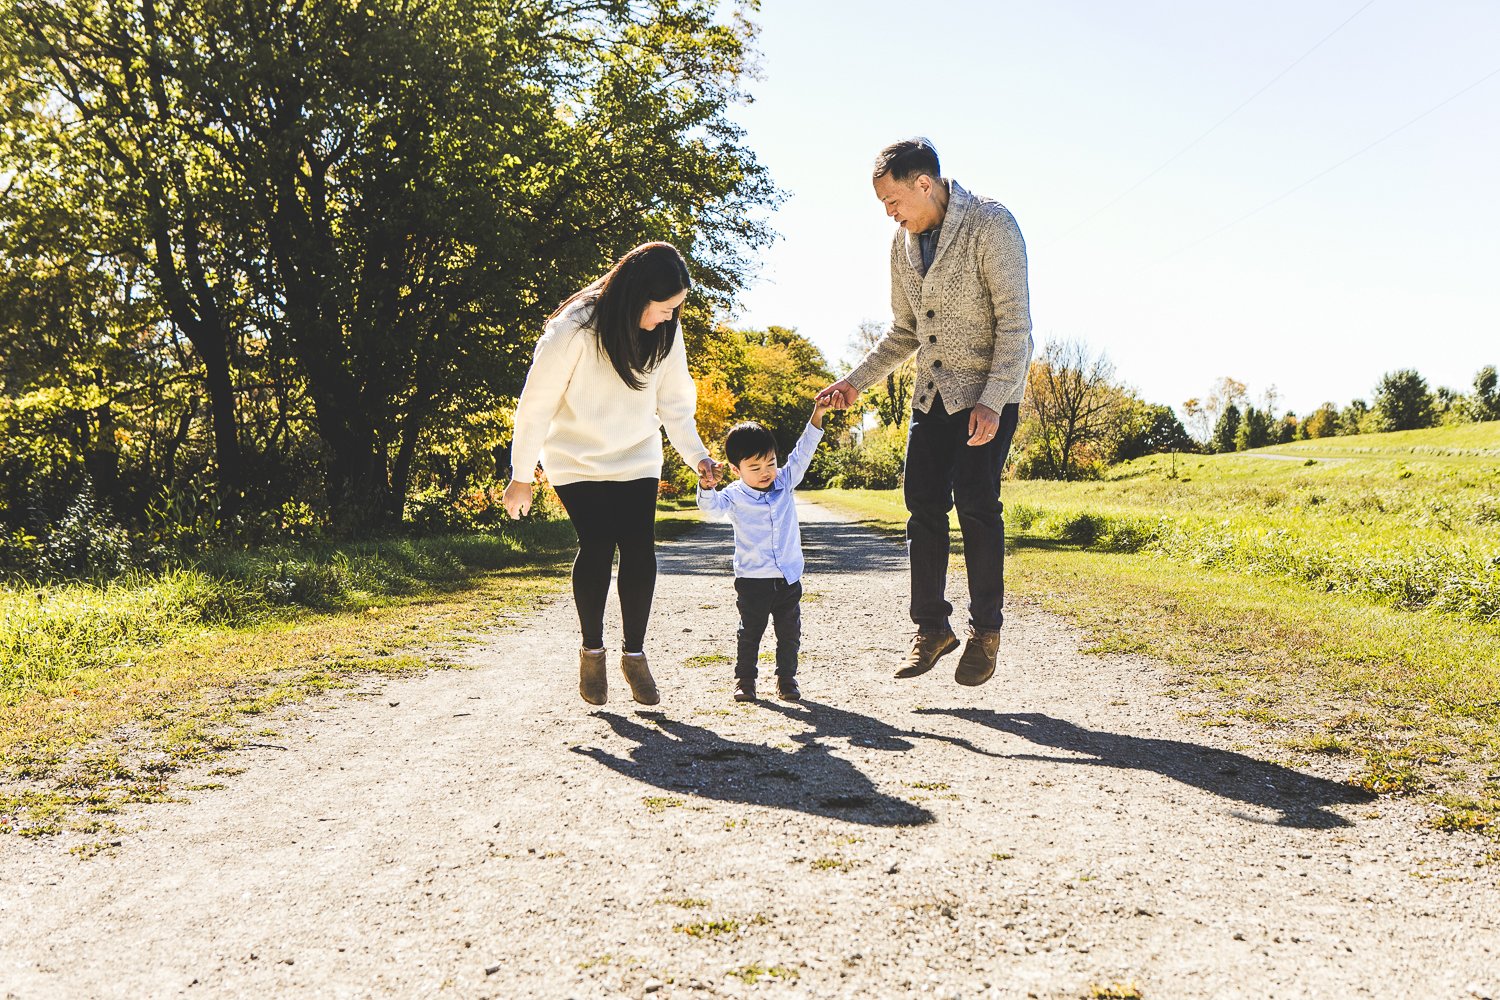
column 593, row 679
column 926, row 649
column 638, row 673
column 977, row 664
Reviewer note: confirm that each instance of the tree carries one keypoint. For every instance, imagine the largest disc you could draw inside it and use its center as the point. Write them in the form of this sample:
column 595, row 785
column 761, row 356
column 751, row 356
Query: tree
column 1150, row 429
column 1484, row 404
column 892, row 402
column 1071, row 408
column 1205, row 412
column 1254, row 430
column 1322, row 422
column 1227, row 429
column 374, row 204
column 1354, row 417
column 1403, row 402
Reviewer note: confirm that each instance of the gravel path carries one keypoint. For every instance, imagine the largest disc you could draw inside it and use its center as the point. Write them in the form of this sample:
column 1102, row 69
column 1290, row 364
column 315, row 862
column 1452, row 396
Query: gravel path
column 479, row 833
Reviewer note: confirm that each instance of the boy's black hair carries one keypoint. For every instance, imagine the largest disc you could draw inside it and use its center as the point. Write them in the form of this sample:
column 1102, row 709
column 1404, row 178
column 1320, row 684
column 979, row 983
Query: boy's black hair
column 747, row 440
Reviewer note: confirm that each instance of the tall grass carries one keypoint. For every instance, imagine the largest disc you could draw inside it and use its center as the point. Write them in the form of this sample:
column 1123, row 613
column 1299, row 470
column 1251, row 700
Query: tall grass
column 48, row 633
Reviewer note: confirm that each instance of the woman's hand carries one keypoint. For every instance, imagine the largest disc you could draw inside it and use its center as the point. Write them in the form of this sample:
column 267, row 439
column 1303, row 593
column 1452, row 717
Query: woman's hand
column 517, row 499
column 708, row 474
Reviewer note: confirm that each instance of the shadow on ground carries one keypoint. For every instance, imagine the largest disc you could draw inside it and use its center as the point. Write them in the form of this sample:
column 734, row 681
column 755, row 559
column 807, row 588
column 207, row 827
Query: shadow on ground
column 681, row 757
column 1302, row 800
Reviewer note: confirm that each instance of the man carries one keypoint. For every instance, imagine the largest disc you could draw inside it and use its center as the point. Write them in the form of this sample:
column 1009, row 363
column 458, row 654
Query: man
column 959, row 301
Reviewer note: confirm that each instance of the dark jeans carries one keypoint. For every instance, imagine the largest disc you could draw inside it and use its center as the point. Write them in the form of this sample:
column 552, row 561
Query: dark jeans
column 942, row 471
column 610, row 516
column 759, row 600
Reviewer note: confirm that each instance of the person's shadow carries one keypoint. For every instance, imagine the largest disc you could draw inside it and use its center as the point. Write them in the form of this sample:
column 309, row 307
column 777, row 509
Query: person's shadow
column 681, row 757
column 1301, row 799
column 866, row 731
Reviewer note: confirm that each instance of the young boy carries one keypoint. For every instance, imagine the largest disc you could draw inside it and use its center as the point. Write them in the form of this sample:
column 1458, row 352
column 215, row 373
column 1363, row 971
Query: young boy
column 767, row 546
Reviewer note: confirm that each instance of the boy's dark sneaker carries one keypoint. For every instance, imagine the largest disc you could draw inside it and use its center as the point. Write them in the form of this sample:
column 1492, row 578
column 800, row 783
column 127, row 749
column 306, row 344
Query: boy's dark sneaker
column 926, row 649
column 787, row 689
column 977, row 664
column 593, row 679
column 744, row 690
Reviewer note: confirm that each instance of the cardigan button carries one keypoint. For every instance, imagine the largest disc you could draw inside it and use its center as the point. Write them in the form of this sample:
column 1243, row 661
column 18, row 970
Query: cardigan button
column 938, row 363
column 932, row 339
column 930, row 314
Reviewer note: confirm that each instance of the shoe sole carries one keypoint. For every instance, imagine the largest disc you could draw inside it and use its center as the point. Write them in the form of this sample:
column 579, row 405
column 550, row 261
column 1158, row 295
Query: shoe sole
column 744, row 699
column 909, row 671
column 973, row 682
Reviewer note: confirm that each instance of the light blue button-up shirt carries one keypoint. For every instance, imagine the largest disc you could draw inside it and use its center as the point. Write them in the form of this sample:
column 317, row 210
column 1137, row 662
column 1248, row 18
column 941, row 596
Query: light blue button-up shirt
column 767, row 538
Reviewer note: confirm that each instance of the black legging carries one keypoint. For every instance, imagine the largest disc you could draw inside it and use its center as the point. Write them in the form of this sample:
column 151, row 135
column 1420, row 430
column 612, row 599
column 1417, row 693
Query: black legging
column 610, row 515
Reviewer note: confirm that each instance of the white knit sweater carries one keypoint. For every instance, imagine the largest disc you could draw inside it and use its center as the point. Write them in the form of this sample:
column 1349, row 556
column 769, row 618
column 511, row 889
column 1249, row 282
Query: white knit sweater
column 585, row 423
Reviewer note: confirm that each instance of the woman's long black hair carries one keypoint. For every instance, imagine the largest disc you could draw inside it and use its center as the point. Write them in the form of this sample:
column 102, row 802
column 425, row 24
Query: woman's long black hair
column 652, row 272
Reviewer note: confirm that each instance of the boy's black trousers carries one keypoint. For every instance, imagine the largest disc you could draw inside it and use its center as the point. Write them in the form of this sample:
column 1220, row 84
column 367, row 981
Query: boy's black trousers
column 760, row 600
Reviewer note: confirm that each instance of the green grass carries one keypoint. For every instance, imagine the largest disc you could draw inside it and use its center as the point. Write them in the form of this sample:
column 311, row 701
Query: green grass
column 1351, row 606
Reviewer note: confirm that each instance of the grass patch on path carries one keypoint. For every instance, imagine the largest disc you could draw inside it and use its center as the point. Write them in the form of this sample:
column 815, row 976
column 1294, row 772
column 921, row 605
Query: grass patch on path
column 1412, row 696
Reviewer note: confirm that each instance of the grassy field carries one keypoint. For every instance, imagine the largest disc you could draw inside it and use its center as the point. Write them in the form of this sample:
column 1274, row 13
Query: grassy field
column 1343, row 592
column 106, row 691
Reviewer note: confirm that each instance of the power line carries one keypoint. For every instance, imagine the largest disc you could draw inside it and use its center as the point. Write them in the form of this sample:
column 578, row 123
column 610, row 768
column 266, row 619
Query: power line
column 1206, row 133
column 1326, row 171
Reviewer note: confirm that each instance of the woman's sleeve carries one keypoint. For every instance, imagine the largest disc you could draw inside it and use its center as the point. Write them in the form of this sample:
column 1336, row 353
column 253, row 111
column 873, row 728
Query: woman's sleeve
column 552, row 365
column 677, row 405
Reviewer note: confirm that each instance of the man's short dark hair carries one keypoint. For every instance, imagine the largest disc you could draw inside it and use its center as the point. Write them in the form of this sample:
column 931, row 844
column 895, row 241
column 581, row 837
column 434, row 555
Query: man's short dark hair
column 905, row 159
column 747, row 440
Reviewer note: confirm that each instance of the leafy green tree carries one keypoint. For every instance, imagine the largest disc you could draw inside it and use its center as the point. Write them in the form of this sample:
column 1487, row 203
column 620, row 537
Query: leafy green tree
column 1286, row 429
column 1354, row 417
column 1150, row 429
column 1226, row 429
column 1484, row 403
column 891, row 401
column 1403, row 402
column 364, row 210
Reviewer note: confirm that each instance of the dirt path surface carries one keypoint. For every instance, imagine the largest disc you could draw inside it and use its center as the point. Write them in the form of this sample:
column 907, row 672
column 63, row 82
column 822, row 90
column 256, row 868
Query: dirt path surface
column 482, row 833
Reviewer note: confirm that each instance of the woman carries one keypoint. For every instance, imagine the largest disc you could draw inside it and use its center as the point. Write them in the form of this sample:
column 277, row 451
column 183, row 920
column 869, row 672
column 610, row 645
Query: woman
column 609, row 372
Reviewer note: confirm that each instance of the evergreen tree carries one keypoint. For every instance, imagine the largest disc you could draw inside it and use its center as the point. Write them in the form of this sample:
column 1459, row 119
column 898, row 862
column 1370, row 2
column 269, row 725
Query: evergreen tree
column 1254, row 430
column 1484, row 404
column 1226, row 429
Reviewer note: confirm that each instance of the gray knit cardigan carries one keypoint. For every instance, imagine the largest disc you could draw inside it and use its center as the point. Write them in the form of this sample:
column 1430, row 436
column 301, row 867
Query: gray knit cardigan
column 968, row 319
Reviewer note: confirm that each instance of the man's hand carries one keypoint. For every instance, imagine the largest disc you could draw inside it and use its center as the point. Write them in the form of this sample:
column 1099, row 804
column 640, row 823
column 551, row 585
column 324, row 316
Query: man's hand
column 840, row 395
column 708, row 474
column 984, row 423
column 517, row 499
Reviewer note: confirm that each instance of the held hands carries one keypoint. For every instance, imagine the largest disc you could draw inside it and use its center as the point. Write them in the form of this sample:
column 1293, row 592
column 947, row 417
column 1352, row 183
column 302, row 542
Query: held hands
column 708, row 474
column 839, row 396
column 517, row 499
column 984, row 423
column 820, row 407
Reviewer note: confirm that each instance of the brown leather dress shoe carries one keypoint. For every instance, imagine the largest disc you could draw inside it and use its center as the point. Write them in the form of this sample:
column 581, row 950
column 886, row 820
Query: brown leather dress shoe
column 593, row 680
column 977, row 664
column 926, row 649
column 638, row 674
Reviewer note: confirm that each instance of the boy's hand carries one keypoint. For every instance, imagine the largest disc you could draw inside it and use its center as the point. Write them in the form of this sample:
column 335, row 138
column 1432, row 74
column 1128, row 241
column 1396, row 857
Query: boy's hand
column 820, row 406
column 708, row 474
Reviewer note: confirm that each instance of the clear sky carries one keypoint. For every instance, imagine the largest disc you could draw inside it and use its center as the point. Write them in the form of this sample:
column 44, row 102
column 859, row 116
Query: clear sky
column 1058, row 108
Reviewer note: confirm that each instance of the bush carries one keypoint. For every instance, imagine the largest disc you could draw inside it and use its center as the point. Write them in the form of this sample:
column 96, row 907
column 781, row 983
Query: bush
column 875, row 463
column 85, row 543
